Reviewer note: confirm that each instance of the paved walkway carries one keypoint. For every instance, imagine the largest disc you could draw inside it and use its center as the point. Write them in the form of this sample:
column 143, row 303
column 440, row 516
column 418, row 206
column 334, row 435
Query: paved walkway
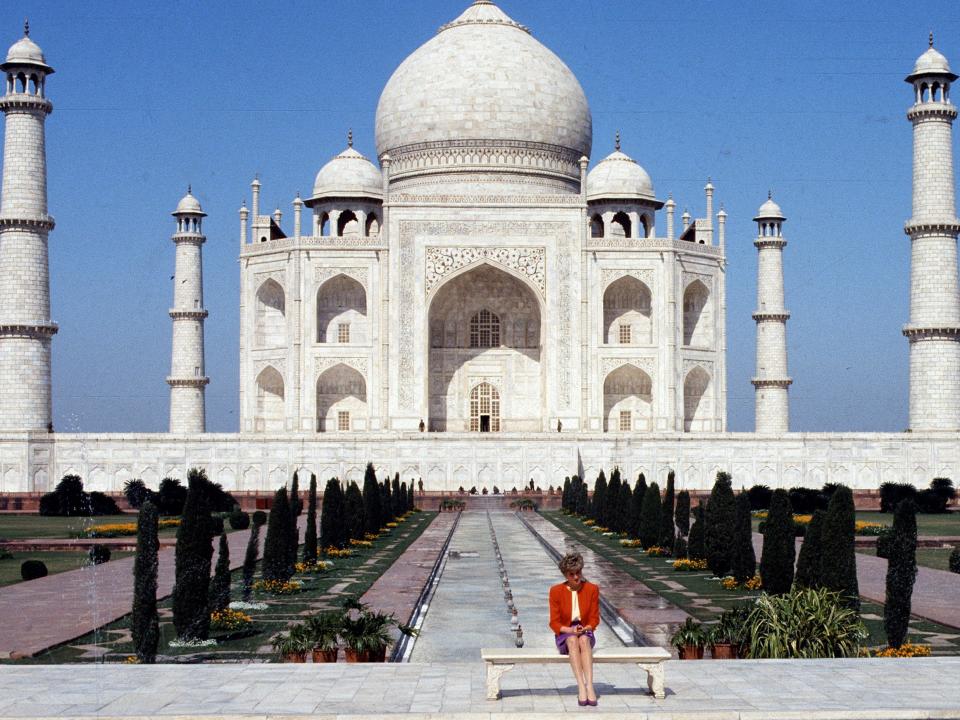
column 706, row 689
column 936, row 593
column 52, row 610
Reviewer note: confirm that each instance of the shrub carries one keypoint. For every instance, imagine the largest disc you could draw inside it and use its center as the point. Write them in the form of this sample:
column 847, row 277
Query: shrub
column 884, row 539
column 220, row 499
column 623, row 507
column 32, row 570
column 137, row 493
column 220, row 585
column 695, row 544
column 680, row 547
column 259, row 518
column 743, row 561
column 98, row 554
column 804, row 623
column 250, row 560
column 296, row 504
column 667, row 528
column 810, row 560
column 239, row 520
column 193, row 553
column 565, row 503
column 891, row 494
column 839, row 569
column 636, row 506
column 776, row 560
column 805, row 501
column 760, row 496
column 310, row 533
column 944, row 487
column 49, row 504
column 275, row 561
column 333, row 528
column 171, row 496
column 954, row 562
column 144, row 620
column 395, row 499
column 371, row 501
column 718, row 533
column 73, row 500
column 609, row 515
column 583, row 500
column 101, row 504
column 681, row 515
column 901, row 573
column 355, row 518
column 650, row 516
column 937, row 497
column 599, row 498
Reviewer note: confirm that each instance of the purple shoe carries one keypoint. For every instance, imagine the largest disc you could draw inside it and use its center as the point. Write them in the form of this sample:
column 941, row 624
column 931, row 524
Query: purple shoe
column 582, row 703
column 592, row 703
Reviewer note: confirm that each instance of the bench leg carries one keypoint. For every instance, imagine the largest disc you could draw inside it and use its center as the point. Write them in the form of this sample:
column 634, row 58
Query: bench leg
column 494, row 673
column 654, row 679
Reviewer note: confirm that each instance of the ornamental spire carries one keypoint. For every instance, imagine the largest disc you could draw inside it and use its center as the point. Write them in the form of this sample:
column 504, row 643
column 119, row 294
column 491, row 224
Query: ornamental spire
column 350, row 137
column 26, row 28
column 617, row 142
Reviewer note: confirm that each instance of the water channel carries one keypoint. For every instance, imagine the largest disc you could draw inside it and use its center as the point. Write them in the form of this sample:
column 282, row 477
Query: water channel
column 468, row 610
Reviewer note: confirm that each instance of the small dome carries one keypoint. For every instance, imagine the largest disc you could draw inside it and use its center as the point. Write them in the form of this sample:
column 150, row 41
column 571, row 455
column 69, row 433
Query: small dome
column 770, row 211
column 619, row 176
column 349, row 174
column 931, row 62
column 189, row 205
column 26, row 52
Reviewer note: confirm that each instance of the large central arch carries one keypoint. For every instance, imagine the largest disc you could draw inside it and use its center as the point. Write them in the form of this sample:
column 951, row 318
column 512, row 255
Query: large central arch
column 485, row 325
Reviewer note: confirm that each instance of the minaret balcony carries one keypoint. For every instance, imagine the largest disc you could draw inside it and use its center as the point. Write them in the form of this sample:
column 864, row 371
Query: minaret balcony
column 944, row 110
column 29, row 330
column 932, row 226
column 931, row 332
column 195, row 382
column 774, row 316
column 194, row 238
column 770, row 242
column 25, row 101
column 35, row 222
column 178, row 314
column 771, row 382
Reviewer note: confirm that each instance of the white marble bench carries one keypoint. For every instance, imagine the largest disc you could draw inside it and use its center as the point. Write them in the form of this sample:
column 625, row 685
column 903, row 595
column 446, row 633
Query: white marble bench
column 501, row 660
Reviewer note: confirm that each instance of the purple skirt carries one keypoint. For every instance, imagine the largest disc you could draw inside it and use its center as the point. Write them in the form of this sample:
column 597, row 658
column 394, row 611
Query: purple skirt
column 562, row 639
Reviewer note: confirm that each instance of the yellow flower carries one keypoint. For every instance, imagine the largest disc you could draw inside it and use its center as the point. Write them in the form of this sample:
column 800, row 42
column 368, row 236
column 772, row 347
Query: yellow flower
column 230, row 620
column 904, row 651
column 336, row 552
column 729, row 583
column 657, row 551
column 630, row 543
column 589, row 522
column 688, row 564
column 277, row 587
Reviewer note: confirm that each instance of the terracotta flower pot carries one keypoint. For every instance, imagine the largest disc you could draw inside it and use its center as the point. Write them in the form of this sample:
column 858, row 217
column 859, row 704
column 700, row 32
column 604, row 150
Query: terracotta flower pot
column 325, row 656
column 379, row 655
column 723, row 651
column 354, row 656
column 295, row 657
column 690, row 652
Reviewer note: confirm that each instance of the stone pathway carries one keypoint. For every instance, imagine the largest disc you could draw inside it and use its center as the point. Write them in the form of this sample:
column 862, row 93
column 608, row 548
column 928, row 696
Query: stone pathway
column 841, row 689
column 936, row 593
column 42, row 613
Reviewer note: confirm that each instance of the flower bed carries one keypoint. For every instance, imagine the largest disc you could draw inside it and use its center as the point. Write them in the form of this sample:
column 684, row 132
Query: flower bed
column 906, row 650
column 869, row 528
column 278, row 587
column 337, row 552
column 318, row 566
column 229, row 620
column 657, row 551
column 686, row 564
column 113, row 530
column 361, row 543
column 730, row 583
column 630, row 543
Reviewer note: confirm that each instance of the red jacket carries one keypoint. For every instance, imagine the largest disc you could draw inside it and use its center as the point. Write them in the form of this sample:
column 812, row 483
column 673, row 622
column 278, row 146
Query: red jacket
column 588, row 598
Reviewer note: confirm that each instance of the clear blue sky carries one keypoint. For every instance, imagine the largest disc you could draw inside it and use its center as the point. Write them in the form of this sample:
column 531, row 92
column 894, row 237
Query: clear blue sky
column 806, row 99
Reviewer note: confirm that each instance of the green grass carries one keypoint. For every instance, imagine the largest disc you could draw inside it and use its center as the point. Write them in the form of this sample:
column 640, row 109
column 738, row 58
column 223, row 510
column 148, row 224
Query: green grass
column 654, row 572
column 935, row 558
column 927, row 524
column 56, row 562
column 28, row 527
column 282, row 611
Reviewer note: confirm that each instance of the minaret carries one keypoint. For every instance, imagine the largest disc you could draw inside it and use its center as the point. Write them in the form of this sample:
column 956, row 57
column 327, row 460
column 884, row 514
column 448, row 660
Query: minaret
column 25, row 326
column 187, row 380
column 934, row 327
column 771, row 381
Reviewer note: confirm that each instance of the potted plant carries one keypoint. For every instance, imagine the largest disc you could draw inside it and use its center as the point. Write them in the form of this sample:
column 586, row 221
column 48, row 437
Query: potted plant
column 323, row 630
column 719, row 635
column 293, row 646
column 689, row 640
column 366, row 633
column 738, row 627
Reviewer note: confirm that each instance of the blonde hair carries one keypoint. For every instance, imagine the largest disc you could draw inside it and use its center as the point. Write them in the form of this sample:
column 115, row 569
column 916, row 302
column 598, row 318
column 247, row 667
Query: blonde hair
column 571, row 562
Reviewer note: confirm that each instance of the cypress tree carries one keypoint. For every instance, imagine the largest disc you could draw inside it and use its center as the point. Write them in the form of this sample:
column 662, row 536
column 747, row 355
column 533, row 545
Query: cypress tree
column 333, row 531
column 811, row 553
column 371, row 500
column 779, row 547
column 839, row 569
column 193, row 553
column 695, row 544
column 681, row 515
column 901, row 573
column 356, row 522
column 636, row 507
column 250, row 560
column 296, row 504
column 292, row 539
column 667, row 530
column 397, row 501
column 310, row 534
column 276, row 544
column 412, row 502
column 650, row 516
column 404, row 497
column 744, row 560
column 583, row 500
column 220, row 585
column 565, row 495
column 718, row 532
column 385, row 509
column 599, row 498
column 610, row 500
column 623, row 507
column 145, row 622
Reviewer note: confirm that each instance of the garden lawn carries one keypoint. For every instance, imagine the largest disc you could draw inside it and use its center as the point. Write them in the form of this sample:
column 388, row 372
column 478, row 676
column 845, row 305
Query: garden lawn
column 351, row 576
column 708, row 594
column 56, row 562
column 30, row 527
column 937, row 524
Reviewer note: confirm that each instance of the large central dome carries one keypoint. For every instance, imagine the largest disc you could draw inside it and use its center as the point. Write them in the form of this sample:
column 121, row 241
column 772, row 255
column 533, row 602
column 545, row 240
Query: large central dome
column 484, row 82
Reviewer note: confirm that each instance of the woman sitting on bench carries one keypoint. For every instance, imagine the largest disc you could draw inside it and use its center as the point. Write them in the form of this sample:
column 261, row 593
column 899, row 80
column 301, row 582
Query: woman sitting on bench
column 574, row 615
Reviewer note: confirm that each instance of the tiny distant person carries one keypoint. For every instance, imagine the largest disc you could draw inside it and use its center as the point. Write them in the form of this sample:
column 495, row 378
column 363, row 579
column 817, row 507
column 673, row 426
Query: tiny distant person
column 574, row 615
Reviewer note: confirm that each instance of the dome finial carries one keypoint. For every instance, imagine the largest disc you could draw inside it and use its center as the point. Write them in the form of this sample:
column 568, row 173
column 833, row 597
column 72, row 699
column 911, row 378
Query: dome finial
column 617, row 143
column 769, row 194
column 931, row 38
column 26, row 27
column 189, row 189
column 350, row 137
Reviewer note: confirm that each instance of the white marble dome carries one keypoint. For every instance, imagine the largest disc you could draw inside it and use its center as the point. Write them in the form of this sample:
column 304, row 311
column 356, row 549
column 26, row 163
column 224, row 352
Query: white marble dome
column 618, row 176
column 770, row 211
column 189, row 205
column 932, row 62
column 483, row 77
column 349, row 174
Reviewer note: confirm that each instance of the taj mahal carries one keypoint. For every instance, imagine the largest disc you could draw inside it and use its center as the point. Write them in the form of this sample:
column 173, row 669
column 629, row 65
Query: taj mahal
column 478, row 305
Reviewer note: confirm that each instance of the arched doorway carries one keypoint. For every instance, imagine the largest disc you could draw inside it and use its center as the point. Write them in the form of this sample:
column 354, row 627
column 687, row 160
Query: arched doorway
column 342, row 311
column 341, row 400
column 626, row 312
column 485, row 327
column 270, row 400
column 697, row 408
column 484, row 409
column 627, row 400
